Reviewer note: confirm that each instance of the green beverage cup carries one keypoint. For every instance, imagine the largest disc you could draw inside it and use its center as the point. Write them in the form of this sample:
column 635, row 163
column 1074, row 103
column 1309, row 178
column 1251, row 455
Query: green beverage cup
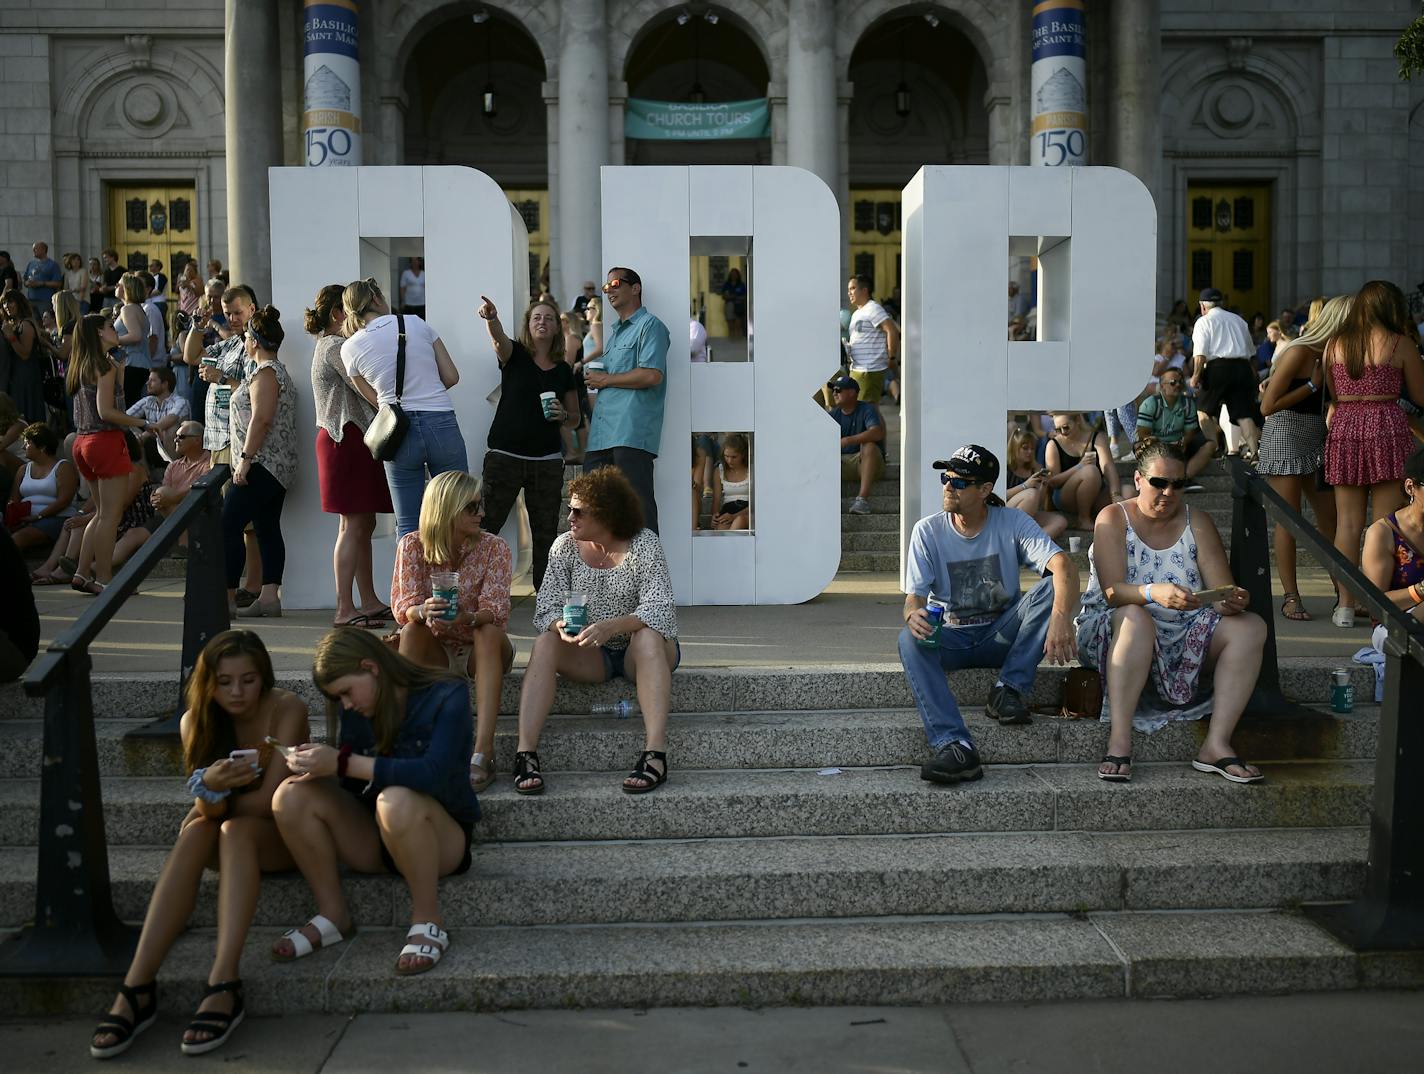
column 575, row 614
column 445, row 585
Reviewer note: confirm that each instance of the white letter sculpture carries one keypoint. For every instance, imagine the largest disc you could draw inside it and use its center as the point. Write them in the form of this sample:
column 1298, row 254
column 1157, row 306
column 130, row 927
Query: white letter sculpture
column 1094, row 232
column 334, row 225
column 651, row 217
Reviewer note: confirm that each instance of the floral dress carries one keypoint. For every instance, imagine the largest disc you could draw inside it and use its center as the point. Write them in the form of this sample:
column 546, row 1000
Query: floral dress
column 1174, row 690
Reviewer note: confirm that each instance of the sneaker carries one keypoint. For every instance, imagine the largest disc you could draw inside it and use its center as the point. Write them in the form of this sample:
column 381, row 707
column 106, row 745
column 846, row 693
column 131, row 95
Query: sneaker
column 1343, row 617
column 245, row 597
column 860, row 506
column 1006, row 706
column 956, row 763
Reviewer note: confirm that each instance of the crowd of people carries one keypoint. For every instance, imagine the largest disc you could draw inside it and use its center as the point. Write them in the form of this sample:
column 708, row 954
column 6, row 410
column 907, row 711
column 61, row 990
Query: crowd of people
column 394, row 788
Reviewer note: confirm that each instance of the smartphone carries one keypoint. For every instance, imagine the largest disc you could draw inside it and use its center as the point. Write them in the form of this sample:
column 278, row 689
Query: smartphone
column 284, row 750
column 248, row 756
column 1211, row 596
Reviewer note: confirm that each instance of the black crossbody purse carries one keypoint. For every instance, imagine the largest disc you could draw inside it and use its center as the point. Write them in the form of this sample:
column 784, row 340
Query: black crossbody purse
column 388, row 428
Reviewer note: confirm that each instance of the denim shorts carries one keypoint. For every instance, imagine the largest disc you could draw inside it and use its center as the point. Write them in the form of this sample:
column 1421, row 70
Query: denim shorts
column 613, row 660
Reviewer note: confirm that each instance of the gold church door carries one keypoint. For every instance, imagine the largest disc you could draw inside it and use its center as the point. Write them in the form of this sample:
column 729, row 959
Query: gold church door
column 1229, row 245
column 152, row 221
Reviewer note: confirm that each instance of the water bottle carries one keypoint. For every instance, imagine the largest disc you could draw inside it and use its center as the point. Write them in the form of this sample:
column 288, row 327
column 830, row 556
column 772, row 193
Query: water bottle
column 935, row 612
column 622, row 708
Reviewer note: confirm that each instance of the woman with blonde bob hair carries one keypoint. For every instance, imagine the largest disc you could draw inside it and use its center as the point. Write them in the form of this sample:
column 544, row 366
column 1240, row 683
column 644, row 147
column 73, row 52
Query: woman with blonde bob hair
column 391, row 794
column 1292, row 445
column 234, row 706
column 467, row 636
column 433, row 441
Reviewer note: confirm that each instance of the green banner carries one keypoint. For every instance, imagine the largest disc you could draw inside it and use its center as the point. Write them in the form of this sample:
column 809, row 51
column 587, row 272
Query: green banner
column 684, row 122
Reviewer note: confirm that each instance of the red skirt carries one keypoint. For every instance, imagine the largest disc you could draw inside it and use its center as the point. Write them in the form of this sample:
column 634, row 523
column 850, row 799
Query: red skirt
column 352, row 483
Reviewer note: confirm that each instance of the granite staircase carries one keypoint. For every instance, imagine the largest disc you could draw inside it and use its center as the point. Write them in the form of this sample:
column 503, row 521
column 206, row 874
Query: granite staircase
column 793, row 857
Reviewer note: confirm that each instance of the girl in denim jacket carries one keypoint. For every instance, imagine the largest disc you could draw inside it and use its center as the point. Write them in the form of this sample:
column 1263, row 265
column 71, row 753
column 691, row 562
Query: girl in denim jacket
column 393, row 794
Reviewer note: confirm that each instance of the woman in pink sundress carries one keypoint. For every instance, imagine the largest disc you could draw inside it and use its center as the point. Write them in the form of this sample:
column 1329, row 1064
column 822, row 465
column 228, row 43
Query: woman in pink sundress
column 1367, row 364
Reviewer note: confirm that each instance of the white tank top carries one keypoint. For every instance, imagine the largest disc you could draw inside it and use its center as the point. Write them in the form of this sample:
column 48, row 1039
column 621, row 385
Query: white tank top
column 736, row 490
column 43, row 491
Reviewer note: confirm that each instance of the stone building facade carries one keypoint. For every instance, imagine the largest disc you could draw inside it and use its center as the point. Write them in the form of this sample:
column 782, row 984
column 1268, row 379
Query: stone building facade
column 1275, row 137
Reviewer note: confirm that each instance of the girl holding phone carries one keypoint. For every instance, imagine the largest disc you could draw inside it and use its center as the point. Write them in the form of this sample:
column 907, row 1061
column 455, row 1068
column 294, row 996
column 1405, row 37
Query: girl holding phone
column 233, row 705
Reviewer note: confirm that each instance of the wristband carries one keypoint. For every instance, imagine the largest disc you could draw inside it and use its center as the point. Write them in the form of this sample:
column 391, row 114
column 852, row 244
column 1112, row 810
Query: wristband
column 343, row 758
column 198, row 789
column 1416, row 593
column 1147, row 594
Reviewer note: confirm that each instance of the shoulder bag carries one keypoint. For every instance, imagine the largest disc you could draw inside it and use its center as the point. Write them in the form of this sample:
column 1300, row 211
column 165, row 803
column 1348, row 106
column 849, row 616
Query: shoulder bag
column 1082, row 697
column 388, row 428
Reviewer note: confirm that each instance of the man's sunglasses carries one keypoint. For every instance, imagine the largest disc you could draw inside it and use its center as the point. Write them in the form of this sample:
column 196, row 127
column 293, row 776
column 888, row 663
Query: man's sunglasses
column 959, row 484
column 1177, row 483
column 613, row 285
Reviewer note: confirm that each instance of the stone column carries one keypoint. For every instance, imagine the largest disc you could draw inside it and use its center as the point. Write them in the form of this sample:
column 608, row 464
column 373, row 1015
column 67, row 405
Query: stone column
column 811, row 102
column 1135, row 78
column 583, row 144
column 390, row 147
column 253, row 129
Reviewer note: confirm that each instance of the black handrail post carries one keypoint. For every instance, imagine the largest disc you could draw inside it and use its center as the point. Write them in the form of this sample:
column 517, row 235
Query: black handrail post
column 1389, row 916
column 1251, row 567
column 76, row 931
column 205, row 611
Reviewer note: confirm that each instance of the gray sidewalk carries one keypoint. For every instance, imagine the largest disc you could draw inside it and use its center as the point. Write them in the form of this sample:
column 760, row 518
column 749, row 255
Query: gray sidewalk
column 1377, row 1032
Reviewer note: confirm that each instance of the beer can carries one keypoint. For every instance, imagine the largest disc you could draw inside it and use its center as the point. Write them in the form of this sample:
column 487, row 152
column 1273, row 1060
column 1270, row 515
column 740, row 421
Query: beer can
column 1342, row 691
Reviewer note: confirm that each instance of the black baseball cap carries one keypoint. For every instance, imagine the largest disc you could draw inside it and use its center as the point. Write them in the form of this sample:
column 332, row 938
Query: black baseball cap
column 844, row 382
column 1210, row 294
column 977, row 463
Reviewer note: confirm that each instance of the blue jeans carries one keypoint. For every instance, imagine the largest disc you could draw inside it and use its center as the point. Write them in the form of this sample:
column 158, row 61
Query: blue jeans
column 433, row 442
column 1013, row 642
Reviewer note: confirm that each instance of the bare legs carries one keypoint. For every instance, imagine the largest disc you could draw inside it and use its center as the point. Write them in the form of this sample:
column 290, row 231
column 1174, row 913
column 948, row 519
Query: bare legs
column 1291, row 487
column 323, row 825
column 1350, row 506
column 351, row 563
column 1234, row 659
column 244, row 847
column 96, row 549
column 648, row 665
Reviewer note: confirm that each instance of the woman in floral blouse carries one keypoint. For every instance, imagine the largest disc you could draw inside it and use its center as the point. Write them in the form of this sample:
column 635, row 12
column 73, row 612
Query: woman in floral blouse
column 608, row 557
column 472, row 641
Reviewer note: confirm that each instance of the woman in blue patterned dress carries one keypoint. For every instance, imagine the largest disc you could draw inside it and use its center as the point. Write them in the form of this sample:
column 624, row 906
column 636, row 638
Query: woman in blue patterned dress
column 1141, row 622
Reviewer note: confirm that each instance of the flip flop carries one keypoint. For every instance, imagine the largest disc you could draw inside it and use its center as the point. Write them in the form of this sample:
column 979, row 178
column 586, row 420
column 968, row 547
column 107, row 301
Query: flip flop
column 1221, row 765
column 361, row 621
column 1115, row 777
column 38, row 579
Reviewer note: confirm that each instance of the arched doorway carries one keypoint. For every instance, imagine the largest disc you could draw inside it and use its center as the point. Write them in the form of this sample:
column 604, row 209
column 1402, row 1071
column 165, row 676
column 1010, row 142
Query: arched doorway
column 473, row 82
column 919, row 86
column 697, row 53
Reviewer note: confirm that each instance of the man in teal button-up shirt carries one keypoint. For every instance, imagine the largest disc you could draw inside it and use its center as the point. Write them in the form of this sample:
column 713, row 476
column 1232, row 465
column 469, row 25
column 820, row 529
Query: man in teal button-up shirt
column 627, row 423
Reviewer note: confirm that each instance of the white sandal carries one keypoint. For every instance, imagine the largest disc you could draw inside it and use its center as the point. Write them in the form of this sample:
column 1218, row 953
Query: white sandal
column 436, row 940
column 301, row 946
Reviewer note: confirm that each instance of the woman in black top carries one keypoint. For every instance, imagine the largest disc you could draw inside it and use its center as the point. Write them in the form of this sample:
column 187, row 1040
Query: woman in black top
column 525, row 452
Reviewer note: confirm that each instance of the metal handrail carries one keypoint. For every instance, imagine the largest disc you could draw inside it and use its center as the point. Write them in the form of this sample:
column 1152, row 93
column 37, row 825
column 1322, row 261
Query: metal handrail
column 76, row 931
column 1390, row 913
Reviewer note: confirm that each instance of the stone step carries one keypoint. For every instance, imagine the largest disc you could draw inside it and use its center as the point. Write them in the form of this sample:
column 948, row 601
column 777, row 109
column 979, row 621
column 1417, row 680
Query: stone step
column 809, row 688
column 851, row 962
column 786, row 740
column 855, row 876
column 700, row 804
column 869, row 562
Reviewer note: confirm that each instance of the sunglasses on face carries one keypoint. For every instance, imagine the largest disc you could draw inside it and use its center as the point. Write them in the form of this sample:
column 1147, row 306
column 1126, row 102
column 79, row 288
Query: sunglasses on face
column 575, row 512
column 475, row 507
column 1171, row 384
column 1177, row 483
column 613, row 285
column 959, row 484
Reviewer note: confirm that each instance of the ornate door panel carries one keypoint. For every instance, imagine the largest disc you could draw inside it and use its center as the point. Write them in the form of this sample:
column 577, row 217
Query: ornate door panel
column 147, row 222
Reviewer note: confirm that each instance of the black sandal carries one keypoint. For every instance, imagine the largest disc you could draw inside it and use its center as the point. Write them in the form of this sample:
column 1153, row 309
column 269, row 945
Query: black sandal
column 645, row 771
column 215, row 1021
column 116, row 1025
column 526, row 766
column 1118, row 776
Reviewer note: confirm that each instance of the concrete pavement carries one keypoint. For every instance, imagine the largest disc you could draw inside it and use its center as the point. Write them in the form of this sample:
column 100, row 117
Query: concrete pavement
column 1377, row 1032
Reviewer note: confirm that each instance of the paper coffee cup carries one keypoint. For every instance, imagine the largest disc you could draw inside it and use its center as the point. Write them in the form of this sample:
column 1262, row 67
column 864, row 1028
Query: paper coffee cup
column 1075, row 544
column 546, row 402
column 593, row 367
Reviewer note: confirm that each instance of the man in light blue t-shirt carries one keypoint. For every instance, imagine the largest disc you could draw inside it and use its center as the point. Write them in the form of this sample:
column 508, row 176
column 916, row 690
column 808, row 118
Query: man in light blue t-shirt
column 966, row 559
column 627, row 422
